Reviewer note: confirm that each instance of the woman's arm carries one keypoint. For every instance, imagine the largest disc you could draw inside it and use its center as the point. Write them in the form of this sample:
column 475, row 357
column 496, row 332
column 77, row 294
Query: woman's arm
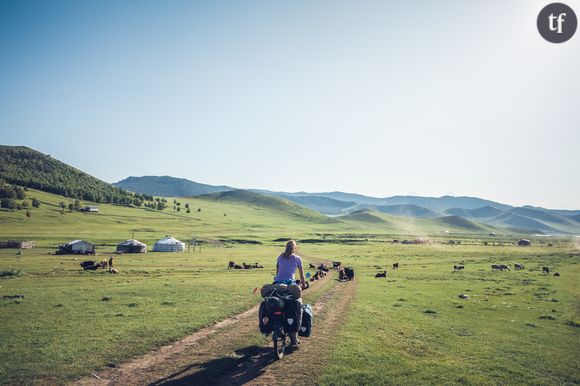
column 302, row 280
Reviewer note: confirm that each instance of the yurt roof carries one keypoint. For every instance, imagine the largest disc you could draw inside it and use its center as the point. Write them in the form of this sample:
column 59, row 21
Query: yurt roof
column 168, row 240
column 79, row 241
column 131, row 242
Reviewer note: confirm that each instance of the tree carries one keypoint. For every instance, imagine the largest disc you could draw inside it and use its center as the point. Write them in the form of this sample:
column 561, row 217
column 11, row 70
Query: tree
column 8, row 203
column 186, row 206
column 35, row 202
column 71, row 207
column 28, row 213
column 198, row 210
column 77, row 204
column 62, row 204
column 179, row 209
column 24, row 204
column 188, row 210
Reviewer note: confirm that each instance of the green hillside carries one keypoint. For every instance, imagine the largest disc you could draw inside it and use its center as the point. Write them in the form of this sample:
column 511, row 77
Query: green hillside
column 365, row 215
column 167, row 186
column 26, row 167
column 459, row 222
column 258, row 200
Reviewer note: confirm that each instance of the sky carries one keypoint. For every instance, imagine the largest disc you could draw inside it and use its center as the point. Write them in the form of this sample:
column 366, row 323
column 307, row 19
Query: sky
column 380, row 98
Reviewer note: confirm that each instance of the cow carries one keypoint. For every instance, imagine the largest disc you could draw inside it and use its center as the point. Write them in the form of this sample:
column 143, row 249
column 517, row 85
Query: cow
column 458, row 267
column 495, row 266
column 557, row 274
column 342, row 275
column 323, row 267
column 349, row 273
column 256, row 265
column 504, row 267
column 395, row 265
column 381, row 274
column 518, row 266
column 546, row 269
column 89, row 265
column 246, row 266
column 311, row 266
column 336, row 264
column 231, row 265
column 237, row 266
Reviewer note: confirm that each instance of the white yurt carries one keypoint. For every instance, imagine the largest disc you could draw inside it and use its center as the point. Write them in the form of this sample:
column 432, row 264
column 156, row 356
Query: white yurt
column 168, row 244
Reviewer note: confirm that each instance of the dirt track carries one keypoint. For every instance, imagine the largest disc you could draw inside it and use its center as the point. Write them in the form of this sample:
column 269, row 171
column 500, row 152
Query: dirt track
column 231, row 352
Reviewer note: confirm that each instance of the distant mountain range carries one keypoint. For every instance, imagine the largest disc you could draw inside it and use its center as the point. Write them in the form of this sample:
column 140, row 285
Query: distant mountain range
column 30, row 168
column 463, row 211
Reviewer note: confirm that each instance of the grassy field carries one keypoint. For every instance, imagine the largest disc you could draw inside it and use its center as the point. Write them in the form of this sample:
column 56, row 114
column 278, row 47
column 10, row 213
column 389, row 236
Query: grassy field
column 517, row 327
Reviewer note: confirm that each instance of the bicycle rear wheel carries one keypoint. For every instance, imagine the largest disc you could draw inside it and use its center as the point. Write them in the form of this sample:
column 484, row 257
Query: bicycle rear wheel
column 279, row 345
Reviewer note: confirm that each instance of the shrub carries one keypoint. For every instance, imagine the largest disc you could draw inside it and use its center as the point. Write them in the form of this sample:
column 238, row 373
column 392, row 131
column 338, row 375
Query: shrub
column 573, row 323
column 106, row 298
column 547, row 317
column 12, row 273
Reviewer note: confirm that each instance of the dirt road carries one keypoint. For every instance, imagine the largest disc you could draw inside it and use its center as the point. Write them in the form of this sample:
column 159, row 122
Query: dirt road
column 232, row 352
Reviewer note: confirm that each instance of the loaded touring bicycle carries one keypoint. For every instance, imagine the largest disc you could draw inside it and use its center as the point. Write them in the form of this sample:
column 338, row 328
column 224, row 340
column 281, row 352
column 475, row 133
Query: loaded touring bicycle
column 282, row 313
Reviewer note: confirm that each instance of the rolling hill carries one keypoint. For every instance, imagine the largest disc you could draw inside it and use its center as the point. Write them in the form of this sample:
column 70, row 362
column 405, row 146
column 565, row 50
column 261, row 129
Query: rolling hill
column 168, row 186
column 27, row 167
column 258, row 200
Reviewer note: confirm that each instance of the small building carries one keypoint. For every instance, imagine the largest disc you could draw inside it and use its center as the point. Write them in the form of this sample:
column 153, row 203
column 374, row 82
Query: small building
column 90, row 209
column 168, row 244
column 17, row 244
column 81, row 247
column 524, row 243
column 131, row 246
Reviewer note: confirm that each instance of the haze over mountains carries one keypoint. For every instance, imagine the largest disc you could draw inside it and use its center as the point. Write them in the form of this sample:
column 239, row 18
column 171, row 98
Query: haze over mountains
column 465, row 210
column 30, row 168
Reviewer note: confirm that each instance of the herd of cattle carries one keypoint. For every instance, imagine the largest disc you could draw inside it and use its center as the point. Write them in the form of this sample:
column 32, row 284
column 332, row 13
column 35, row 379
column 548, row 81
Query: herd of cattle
column 459, row 267
column 92, row 265
column 233, row 265
column 347, row 273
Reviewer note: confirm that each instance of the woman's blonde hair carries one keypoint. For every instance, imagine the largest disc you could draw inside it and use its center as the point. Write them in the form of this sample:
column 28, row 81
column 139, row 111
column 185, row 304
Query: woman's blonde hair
column 290, row 249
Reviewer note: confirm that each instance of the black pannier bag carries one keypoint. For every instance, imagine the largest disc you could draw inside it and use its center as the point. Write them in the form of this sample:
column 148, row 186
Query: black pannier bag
column 292, row 315
column 265, row 320
column 307, row 319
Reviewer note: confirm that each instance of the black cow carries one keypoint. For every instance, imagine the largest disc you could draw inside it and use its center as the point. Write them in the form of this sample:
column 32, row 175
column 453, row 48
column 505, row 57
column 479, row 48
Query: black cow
column 381, row 274
column 458, row 267
column 546, row 269
column 504, row 267
column 395, row 265
column 349, row 273
column 518, row 266
column 336, row 264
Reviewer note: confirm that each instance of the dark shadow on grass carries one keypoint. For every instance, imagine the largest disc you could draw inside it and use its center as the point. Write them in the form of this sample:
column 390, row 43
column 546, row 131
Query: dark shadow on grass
column 246, row 365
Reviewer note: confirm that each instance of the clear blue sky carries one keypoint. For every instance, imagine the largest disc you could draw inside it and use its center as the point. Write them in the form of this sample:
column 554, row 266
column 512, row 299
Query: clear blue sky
column 374, row 97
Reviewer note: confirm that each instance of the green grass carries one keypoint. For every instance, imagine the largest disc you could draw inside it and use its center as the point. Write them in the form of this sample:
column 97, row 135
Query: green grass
column 410, row 328
column 508, row 332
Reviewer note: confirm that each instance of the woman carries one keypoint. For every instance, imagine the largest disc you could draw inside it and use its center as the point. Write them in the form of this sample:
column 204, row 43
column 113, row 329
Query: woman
column 285, row 269
column 286, row 266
